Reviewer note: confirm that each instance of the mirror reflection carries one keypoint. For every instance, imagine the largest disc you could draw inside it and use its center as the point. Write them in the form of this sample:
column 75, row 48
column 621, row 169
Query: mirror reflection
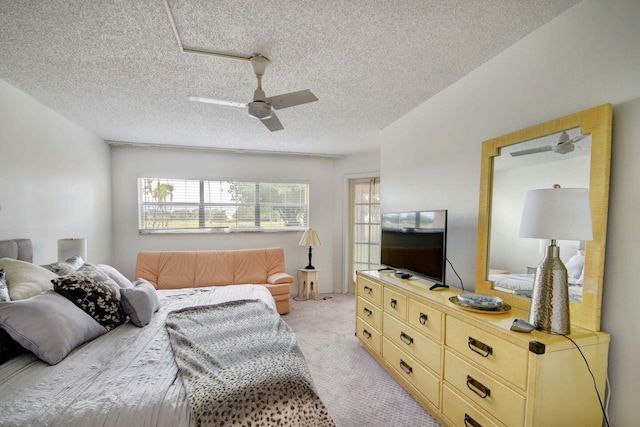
column 562, row 158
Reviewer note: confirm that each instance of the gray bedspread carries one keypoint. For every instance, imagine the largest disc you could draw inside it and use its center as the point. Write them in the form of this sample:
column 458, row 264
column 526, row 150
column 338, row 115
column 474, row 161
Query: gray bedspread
column 241, row 365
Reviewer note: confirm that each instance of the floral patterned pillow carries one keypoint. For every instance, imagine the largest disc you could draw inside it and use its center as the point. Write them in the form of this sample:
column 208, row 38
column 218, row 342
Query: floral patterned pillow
column 4, row 290
column 90, row 290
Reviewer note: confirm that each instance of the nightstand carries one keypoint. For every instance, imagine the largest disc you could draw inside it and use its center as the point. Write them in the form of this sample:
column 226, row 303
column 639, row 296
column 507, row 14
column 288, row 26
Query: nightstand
column 309, row 282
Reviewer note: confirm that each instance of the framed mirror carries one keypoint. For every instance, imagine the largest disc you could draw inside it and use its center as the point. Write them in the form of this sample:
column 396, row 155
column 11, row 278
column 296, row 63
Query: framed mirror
column 572, row 151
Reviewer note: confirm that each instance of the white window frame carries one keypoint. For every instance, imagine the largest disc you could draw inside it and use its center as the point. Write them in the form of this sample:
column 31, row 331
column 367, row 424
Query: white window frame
column 158, row 212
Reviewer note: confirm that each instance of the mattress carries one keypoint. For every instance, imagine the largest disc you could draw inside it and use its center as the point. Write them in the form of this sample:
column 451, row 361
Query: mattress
column 127, row 377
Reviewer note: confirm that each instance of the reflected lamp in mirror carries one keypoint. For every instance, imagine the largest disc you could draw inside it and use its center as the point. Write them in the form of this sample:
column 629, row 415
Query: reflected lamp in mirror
column 71, row 247
column 310, row 238
column 554, row 214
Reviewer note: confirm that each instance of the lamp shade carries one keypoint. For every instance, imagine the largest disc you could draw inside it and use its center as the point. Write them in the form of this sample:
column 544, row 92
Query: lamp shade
column 71, row 247
column 557, row 213
column 310, row 238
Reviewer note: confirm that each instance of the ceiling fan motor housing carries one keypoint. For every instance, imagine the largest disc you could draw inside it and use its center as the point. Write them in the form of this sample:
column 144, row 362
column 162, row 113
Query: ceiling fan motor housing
column 259, row 109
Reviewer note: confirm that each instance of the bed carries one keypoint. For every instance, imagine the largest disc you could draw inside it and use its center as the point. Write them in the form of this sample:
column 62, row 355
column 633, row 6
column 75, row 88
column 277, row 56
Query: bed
column 522, row 285
column 129, row 375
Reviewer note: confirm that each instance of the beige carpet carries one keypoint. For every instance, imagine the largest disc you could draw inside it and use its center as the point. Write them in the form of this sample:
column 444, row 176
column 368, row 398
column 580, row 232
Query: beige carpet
column 354, row 387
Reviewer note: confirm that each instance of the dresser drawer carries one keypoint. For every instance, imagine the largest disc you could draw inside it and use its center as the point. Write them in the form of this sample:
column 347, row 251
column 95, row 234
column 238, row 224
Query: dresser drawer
column 461, row 413
column 396, row 303
column 368, row 334
column 412, row 342
column 484, row 390
column 426, row 319
column 369, row 313
column 370, row 290
column 408, row 368
column 493, row 353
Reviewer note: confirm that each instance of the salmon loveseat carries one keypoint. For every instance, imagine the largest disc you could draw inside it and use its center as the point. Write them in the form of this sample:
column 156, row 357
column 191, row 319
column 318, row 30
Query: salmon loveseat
column 193, row 269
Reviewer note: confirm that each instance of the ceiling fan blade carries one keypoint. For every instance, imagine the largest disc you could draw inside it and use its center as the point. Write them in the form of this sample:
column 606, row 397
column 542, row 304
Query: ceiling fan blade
column 578, row 138
column 216, row 101
column 272, row 123
column 532, row 151
column 291, row 99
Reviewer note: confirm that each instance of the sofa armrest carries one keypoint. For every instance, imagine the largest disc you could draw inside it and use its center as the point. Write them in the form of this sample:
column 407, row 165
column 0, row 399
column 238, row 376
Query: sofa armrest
column 279, row 278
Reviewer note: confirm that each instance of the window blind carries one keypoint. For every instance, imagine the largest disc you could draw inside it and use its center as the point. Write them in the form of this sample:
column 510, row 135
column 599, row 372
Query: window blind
column 195, row 205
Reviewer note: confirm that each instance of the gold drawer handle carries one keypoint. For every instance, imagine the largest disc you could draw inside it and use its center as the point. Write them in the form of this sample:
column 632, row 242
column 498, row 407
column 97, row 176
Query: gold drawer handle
column 366, row 334
column 468, row 421
column 423, row 318
column 479, row 347
column 367, row 312
column 405, row 367
column 477, row 387
column 393, row 303
column 368, row 290
column 406, row 338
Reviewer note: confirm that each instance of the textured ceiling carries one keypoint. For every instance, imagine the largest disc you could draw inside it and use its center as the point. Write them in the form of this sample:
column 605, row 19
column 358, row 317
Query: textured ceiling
column 115, row 67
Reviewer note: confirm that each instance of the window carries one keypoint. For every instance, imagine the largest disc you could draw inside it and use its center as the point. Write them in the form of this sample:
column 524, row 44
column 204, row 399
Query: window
column 191, row 205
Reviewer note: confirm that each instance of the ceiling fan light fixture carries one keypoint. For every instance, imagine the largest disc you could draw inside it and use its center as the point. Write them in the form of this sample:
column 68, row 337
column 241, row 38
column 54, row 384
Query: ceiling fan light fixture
column 259, row 109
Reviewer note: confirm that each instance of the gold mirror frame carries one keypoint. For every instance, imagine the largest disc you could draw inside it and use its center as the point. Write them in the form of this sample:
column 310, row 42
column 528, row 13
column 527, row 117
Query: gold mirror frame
column 597, row 122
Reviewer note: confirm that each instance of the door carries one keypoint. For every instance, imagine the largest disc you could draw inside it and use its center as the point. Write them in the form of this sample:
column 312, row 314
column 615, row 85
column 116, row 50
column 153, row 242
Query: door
column 364, row 196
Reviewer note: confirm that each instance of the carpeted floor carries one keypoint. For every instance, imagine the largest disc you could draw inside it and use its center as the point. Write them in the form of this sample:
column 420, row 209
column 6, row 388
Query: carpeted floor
column 355, row 388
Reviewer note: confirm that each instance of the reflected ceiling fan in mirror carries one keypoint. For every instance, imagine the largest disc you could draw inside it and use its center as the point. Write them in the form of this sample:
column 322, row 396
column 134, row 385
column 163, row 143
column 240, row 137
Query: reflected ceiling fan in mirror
column 565, row 145
column 262, row 107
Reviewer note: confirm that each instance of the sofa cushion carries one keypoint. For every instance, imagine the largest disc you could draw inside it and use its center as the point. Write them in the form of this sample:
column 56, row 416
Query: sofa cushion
column 250, row 267
column 214, row 268
column 280, row 289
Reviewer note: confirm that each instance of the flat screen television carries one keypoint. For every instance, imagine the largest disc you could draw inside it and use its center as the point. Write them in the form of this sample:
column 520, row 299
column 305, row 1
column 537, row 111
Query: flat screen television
column 415, row 243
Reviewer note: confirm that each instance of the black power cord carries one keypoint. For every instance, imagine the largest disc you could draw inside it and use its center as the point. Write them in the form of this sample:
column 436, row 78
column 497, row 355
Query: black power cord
column 454, row 270
column 595, row 385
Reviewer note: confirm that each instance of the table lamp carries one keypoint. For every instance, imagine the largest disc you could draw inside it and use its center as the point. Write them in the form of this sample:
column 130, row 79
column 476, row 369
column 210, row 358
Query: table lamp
column 71, row 247
column 554, row 214
column 310, row 238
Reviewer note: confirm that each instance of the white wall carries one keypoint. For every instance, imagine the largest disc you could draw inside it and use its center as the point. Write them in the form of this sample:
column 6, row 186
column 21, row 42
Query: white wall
column 130, row 163
column 430, row 158
column 54, row 179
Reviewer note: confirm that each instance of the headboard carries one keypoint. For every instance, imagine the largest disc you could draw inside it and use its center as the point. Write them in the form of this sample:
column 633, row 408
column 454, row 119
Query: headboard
column 21, row 249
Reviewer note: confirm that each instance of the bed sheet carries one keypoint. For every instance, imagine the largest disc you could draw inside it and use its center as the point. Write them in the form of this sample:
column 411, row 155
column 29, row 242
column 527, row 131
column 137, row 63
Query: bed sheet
column 522, row 284
column 127, row 377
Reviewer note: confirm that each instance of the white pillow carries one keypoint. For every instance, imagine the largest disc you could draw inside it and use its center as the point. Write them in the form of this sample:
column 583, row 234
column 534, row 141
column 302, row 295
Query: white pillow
column 25, row 279
column 575, row 265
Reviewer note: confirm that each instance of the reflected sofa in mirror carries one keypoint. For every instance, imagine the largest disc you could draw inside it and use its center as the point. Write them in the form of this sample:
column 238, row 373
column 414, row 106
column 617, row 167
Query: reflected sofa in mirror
column 533, row 158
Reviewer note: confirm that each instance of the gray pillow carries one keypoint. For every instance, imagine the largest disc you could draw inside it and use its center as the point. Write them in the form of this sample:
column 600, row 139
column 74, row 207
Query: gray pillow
column 62, row 268
column 140, row 302
column 48, row 325
column 115, row 275
column 93, row 292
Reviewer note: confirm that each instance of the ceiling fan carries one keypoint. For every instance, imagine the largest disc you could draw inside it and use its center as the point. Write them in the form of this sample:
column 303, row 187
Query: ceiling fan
column 262, row 107
column 565, row 145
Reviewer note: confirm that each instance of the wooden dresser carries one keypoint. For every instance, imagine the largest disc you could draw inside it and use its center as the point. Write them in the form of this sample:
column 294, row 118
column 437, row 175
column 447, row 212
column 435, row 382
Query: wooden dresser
column 469, row 369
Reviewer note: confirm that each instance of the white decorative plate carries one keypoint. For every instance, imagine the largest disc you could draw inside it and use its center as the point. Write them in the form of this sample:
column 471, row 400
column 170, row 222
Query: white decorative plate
column 480, row 300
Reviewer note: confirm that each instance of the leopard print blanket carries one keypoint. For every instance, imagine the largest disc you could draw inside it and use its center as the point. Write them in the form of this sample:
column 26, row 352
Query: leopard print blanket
column 241, row 366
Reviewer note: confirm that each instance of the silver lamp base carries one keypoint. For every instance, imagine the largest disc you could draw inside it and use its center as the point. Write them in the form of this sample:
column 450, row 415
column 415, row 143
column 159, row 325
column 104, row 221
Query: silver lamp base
column 550, row 300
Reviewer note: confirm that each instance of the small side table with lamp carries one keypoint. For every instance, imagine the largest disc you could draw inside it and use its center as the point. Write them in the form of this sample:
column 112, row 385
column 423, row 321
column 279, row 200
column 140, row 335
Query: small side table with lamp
column 309, row 274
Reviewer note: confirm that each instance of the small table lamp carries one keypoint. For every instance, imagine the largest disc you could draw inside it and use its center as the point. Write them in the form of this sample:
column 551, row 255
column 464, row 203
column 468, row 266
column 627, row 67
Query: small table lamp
column 554, row 214
column 71, row 247
column 310, row 238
